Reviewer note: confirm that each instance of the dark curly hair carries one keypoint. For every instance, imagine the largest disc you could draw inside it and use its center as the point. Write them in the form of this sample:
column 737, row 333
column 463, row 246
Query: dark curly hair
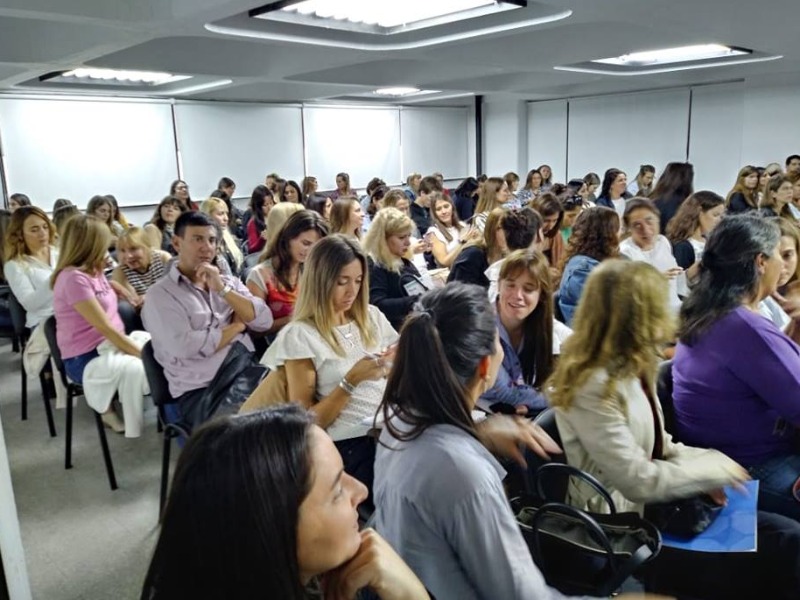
column 595, row 234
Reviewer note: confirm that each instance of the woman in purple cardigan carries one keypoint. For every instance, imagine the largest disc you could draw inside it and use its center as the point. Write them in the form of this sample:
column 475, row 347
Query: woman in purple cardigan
column 736, row 375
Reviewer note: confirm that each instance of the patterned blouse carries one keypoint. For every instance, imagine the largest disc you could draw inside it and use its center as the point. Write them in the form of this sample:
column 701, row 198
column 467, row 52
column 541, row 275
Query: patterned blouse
column 279, row 300
column 141, row 282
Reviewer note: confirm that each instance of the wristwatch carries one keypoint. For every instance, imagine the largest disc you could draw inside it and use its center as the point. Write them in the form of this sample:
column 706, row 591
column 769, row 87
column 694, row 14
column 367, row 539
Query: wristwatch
column 228, row 288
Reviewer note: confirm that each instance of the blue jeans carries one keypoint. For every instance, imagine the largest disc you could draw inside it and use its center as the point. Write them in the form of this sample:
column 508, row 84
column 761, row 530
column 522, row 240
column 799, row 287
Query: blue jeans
column 777, row 476
column 75, row 366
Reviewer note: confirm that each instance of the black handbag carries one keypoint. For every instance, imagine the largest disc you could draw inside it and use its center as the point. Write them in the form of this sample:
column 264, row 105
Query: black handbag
column 685, row 518
column 582, row 553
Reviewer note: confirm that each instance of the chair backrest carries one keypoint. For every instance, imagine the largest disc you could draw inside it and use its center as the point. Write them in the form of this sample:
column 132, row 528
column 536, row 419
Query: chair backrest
column 55, row 352
column 556, row 487
column 559, row 316
column 159, row 387
column 18, row 316
column 664, row 387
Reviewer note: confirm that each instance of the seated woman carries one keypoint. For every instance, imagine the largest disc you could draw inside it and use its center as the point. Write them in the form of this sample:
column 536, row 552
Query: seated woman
column 612, row 427
column 95, row 349
column 744, row 195
column 276, row 279
column 30, row 257
column 346, row 217
column 102, row 208
column 447, row 235
column 438, row 489
column 788, row 294
column 777, row 198
column 139, row 267
column 333, row 350
column 261, row 202
column 645, row 244
column 594, row 238
column 690, row 227
column 228, row 250
column 553, row 214
column 120, row 223
column 526, row 325
column 474, row 259
column 161, row 227
column 321, row 205
column 493, row 194
column 63, row 214
column 294, row 510
column 277, row 218
column 180, row 189
column 394, row 281
column 737, row 375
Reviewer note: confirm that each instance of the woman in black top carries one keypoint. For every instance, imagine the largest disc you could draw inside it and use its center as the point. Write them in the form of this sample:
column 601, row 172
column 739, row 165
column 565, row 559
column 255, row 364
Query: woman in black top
column 674, row 186
column 691, row 225
column 471, row 263
column 394, row 282
column 744, row 195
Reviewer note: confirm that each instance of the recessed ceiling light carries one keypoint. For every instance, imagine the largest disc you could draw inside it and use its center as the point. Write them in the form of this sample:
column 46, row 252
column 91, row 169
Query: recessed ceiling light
column 399, row 91
column 113, row 76
column 381, row 16
column 674, row 55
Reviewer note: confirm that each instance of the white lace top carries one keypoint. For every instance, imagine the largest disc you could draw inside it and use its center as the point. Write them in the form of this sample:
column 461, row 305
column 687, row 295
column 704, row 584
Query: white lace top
column 300, row 340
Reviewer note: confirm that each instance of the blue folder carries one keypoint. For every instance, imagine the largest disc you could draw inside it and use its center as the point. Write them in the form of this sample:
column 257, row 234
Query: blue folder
column 734, row 529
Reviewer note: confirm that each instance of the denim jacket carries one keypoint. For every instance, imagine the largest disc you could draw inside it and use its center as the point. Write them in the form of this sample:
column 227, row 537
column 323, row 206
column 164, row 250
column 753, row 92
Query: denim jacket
column 510, row 386
column 572, row 281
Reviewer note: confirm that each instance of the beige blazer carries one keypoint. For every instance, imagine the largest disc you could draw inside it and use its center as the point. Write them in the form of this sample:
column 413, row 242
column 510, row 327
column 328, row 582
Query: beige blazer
column 612, row 438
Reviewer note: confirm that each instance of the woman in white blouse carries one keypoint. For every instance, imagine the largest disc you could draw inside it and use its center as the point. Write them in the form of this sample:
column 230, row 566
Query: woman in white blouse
column 30, row 256
column 448, row 234
column 336, row 350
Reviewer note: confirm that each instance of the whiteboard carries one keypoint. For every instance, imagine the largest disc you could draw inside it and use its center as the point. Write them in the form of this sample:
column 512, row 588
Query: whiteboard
column 547, row 139
column 364, row 142
column 240, row 141
column 627, row 130
column 78, row 148
column 715, row 142
column 435, row 140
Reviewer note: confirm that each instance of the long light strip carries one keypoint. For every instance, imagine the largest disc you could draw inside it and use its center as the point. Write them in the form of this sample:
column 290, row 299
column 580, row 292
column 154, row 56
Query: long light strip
column 200, row 87
column 385, row 14
column 665, row 69
column 672, row 55
column 146, row 77
column 393, row 47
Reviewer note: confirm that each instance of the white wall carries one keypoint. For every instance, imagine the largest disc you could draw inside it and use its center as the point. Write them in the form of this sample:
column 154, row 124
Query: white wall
column 547, row 139
column 505, row 137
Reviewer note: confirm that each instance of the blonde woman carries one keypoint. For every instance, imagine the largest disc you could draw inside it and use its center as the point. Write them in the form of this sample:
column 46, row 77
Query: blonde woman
column 90, row 334
column 447, row 234
column 394, row 281
column 228, row 249
column 494, row 194
column 347, row 217
column 277, row 218
column 139, row 265
column 612, row 427
column 334, row 350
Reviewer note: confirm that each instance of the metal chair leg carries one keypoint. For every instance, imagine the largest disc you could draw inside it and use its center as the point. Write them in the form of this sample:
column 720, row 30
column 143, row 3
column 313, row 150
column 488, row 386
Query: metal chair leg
column 68, row 447
column 24, row 392
column 48, row 409
column 162, row 499
column 101, row 431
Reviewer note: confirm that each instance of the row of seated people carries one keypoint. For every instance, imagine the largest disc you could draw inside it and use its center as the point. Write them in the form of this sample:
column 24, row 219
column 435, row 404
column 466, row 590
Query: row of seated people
column 303, row 372
column 438, row 491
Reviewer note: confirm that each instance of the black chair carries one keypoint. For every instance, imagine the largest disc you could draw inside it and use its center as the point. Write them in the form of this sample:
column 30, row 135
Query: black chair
column 555, row 488
column 664, row 388
column 159, row 391
column 74, row 390
column 22, row 333
column 557, row 313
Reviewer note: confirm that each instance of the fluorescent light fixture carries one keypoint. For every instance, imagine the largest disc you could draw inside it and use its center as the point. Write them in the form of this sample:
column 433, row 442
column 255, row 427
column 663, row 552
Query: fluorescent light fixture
column 381, row 16
column 114, row 76
column 652, row 58
column 400, row 91
column 319, row 39
column 201, row 87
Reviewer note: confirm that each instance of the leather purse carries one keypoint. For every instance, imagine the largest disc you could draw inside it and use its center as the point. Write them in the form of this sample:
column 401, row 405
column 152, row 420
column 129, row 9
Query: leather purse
column 684, row 518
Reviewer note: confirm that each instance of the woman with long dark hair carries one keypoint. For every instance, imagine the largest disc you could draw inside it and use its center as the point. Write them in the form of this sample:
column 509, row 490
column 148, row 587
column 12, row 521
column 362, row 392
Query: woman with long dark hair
column 260, row 507
column 438, row 488
column 613, row 192
column 276, row 279
column 161, row 227
column 737, row 375
column 674, row 186
column 343, row 189
column 261, row 202
column 595, row 238
column 552, row 211
column 465, row 197
column 690, row 227
column 180, row 190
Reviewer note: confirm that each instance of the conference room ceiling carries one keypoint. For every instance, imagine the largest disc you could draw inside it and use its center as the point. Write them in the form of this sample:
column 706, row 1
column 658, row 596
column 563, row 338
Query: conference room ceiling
column 38, row 37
